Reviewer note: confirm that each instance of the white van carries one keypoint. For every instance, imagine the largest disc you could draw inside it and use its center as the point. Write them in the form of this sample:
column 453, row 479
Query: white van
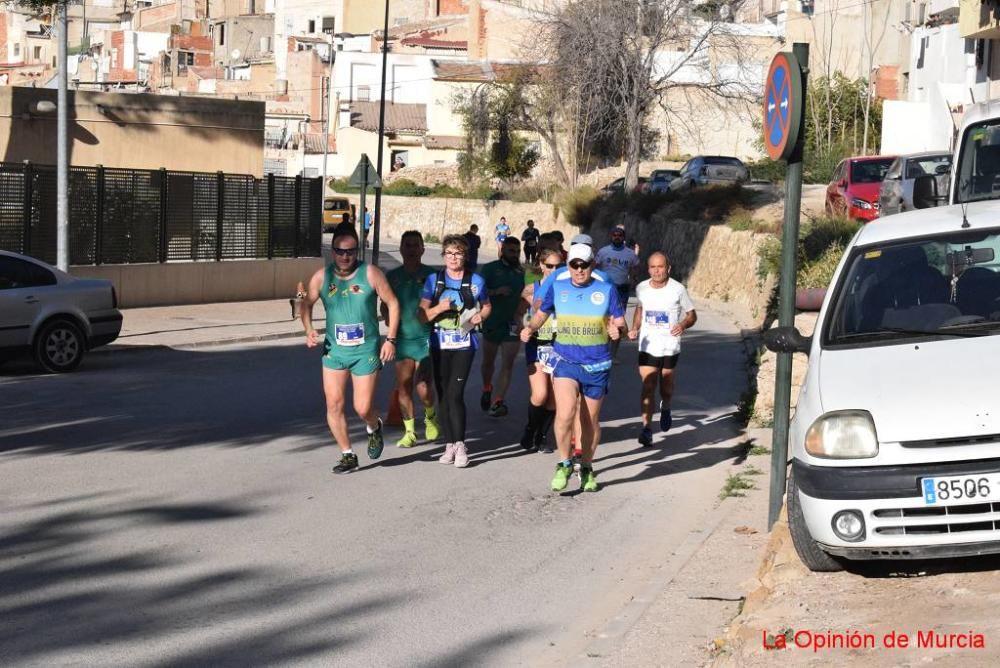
column 895, row 441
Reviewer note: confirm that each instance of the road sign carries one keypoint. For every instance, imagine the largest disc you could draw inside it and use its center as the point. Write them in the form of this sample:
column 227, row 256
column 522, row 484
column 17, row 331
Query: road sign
column 365, row 175
column 784, row 106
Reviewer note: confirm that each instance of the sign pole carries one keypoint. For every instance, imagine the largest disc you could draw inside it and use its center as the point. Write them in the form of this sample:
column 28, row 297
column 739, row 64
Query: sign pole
column 789, row 246
column 364, row 176
column 364, row 233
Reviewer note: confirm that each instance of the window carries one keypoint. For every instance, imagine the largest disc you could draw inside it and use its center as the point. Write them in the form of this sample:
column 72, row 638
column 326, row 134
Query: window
column 312, row 26
column 38, row 53
column 364, row 93
column 328, row 24
column 17, row 50
column 185, row 59
column 222, row 34
column 16, row 273
column 869, row 171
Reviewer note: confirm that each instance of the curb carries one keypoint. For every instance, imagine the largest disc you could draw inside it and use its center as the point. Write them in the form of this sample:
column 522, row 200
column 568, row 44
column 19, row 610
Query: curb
column 124, row 348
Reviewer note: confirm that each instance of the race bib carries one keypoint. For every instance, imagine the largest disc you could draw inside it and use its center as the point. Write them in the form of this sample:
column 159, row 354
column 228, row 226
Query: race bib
column 597, row 367
column 454, row 339
column 657, row 318
column 547, row 358
column 349, row 335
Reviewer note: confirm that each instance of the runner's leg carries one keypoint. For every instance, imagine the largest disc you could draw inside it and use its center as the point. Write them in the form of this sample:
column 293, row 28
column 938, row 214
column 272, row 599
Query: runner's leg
column 405, row 370
column 590, row 410
column 649, row 377
column 364, row 398
column 509, row 351
column 334, row 388
column 666, row 386
column 489, row 362
column 458, row 376
column 567, row 394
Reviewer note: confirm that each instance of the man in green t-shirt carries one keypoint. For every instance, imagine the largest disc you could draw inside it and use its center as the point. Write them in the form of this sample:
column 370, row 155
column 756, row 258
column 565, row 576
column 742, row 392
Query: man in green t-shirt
column 413, row 361
column 504, row 283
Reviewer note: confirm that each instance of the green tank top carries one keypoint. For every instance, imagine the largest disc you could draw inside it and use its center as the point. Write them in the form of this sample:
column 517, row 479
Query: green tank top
column 408, row 289
column 351, row 314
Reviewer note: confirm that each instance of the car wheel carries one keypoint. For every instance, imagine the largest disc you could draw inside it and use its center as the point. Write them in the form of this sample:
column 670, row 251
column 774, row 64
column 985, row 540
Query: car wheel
column 59, row 346
column 809, row 551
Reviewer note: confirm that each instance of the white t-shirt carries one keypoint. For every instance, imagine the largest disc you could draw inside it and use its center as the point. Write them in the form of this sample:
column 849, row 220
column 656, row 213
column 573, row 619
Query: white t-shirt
column 617, row 264
column 662, row 308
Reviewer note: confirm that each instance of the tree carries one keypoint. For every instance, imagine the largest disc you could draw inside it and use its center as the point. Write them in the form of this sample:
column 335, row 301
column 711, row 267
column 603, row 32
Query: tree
column 615, row 60
column 493, row 147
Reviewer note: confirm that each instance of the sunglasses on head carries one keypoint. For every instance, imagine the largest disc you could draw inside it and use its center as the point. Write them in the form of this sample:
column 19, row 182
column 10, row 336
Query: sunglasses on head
column 345, row 251
column 579, row 264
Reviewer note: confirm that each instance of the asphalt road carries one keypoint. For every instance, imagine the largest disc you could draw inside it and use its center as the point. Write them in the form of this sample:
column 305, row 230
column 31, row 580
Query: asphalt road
column 177, row 508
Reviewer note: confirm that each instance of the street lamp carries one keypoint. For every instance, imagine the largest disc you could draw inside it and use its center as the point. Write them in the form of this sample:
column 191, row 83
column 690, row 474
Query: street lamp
column 381, row 137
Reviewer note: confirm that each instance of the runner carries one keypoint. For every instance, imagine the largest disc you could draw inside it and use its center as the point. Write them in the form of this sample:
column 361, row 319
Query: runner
column 502, row 232
column 504, row 282
column 541, row 405
column 619, row 262
column 589, row 316
column 529, row 239
column 413, row 355
column 472, row 238
column 664, row 311
column 349, row 290
column 455, row 300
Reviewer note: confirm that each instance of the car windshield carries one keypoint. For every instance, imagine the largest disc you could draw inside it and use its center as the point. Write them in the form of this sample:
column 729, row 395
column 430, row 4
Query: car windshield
column 929, row 166
column 728, row 162
column 870, row 171
column 948, row 285
column 978, row 170
column 335, row 204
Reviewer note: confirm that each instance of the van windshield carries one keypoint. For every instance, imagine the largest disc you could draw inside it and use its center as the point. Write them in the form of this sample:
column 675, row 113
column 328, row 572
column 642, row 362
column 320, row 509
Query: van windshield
column 978, row 170
column 335, row 204
column 948, row 285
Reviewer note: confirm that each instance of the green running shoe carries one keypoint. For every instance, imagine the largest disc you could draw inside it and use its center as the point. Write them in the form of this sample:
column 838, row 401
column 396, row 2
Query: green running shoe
column 588, row 479
column 562, row 476
column 431, row 429
column 348, row 462
column 408, row 441
column 375, row 442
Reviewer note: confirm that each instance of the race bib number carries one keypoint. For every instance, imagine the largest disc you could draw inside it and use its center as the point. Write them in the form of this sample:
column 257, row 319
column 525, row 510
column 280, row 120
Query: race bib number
column 454, row 339
column 657, row 318
column 349, row 335
column 547, row 358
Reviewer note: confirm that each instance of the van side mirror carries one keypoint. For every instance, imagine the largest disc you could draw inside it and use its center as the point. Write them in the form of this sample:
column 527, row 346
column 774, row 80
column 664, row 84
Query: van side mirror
column 925, row 192
column 786, row 340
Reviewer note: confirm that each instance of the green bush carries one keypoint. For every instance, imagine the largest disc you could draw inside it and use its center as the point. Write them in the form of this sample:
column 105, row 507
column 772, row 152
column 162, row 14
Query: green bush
column 767, row 170
column 444, row 190
column 406, row 188
column 578, row 206
column 341, row 186
column 819, row 273
column 821, row 244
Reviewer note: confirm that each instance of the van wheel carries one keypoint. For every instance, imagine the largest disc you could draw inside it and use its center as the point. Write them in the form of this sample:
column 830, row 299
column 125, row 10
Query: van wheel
column 59, row 346
column 809, row 551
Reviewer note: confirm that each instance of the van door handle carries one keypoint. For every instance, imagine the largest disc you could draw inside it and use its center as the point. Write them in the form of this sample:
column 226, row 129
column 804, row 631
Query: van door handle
column 30, row 299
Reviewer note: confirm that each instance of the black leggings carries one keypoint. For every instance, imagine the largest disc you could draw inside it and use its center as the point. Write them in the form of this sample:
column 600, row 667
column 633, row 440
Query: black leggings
column 451, row 372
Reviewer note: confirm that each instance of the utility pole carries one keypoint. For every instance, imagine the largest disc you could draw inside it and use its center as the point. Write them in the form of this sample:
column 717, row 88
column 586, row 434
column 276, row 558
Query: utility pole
column 62, row 153
column 376, row 225
column 326, row 125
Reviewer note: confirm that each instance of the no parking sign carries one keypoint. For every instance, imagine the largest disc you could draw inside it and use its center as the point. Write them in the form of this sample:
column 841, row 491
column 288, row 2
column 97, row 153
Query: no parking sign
column 783, row 106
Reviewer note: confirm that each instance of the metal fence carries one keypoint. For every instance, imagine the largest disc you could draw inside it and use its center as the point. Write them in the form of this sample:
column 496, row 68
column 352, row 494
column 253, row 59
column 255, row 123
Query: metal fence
column 123, row 216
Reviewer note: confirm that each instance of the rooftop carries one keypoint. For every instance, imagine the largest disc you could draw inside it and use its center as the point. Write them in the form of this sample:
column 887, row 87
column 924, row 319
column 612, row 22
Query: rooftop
column 407, row 118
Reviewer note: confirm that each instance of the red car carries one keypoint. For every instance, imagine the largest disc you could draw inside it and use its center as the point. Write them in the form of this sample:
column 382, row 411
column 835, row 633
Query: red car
column 854, row 190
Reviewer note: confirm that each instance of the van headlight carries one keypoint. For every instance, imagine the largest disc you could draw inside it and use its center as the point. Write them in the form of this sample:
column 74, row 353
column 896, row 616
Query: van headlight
column 843, row 435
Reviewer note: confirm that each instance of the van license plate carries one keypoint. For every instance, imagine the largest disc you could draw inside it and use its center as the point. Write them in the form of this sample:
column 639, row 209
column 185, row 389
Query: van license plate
column 961, row 489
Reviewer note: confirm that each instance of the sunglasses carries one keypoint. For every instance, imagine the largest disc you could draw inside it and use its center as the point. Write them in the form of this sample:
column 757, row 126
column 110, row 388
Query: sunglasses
column 455, row 253
column 579, row 264
column 345, row 251
column 550, row 266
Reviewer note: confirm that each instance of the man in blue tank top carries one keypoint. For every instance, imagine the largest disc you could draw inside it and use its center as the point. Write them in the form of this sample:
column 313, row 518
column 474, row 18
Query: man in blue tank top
column 350, row 291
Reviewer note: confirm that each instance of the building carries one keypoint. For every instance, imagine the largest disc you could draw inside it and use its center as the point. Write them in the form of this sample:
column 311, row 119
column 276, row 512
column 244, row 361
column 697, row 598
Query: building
column 141, row 131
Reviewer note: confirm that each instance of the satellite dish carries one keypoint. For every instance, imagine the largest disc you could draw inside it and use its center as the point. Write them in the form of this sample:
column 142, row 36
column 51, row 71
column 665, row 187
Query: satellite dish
column 235, row 55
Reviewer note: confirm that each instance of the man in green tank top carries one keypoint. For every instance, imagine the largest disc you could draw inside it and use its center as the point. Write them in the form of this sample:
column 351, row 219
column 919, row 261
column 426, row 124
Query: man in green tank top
column 504, row 283
column 350, row 291
column 413, row 353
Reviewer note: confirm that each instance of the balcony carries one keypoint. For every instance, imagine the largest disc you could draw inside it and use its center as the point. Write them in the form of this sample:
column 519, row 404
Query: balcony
column 979, row 19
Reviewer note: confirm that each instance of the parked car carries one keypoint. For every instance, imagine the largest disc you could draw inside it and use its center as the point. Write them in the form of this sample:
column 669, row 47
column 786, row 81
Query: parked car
column 895, row 441
column 710, row 170
column 896, row 192
column 853, row 192
column 334, row 209
column 617, row 187
column 51, row 315
column 660, row 179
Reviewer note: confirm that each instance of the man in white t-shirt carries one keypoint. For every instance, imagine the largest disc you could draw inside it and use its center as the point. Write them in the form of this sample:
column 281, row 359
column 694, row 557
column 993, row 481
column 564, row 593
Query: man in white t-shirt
column 664, row 311
column 619, row 263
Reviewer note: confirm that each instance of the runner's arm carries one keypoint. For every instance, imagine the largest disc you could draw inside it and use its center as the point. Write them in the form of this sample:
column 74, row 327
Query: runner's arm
column 388, row 297
column 306, row 309
column 525, row 302
column 687, row 322
column 636, row 322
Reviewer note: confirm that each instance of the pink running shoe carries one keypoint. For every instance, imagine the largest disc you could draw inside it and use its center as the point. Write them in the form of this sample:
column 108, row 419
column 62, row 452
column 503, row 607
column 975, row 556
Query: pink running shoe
column 461, row 455
column 449, row 454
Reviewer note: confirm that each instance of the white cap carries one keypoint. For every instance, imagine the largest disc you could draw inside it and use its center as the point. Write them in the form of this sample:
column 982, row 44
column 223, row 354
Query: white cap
column 582, row 239
column 580, row 252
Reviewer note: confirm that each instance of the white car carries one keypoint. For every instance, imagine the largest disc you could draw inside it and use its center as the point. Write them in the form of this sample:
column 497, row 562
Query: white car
column 895, row 441
column 51, row 315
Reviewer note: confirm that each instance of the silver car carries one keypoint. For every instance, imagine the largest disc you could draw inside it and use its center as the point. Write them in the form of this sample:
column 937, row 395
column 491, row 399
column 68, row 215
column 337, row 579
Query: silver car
column 708, row 170
column 896, row 192
column 51, row 315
